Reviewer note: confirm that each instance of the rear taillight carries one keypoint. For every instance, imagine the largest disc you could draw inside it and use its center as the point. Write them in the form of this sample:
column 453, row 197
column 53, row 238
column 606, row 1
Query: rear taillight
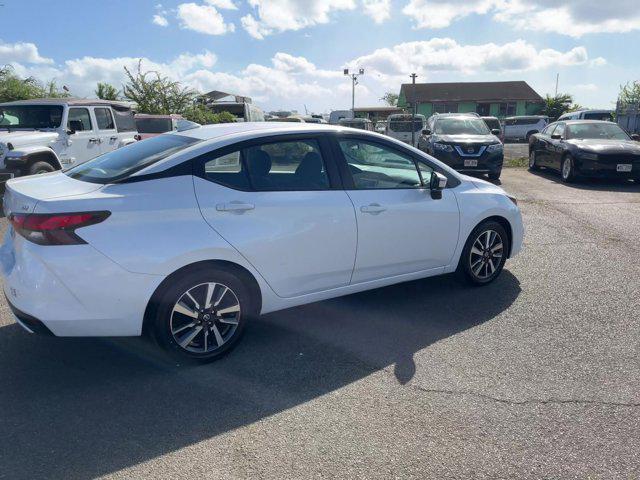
column 55, row 228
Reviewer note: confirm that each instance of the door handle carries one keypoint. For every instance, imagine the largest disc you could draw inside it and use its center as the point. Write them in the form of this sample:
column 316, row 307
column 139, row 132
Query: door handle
column 113, row 139
column 373, row 208
column 234, row 207
column 94, row 140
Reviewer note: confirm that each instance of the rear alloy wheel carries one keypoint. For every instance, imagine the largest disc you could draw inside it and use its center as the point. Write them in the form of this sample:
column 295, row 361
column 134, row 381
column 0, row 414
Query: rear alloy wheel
column 202, row 315
column 567, row 169
column 484, row 254
column 494, row 175
column 533, row 166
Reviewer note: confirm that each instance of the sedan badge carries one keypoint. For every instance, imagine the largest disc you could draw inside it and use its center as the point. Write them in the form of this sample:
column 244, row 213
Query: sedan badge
column 470, row 150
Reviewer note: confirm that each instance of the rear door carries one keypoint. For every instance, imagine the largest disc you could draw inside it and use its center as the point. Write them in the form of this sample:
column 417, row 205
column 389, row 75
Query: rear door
column 106, row 126
column 278, row 201
column 401, row 229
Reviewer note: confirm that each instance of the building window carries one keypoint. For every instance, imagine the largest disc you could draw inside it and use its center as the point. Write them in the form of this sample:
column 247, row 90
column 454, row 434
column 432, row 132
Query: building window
column 508, row 109
column 483, row 109
column 445, row 108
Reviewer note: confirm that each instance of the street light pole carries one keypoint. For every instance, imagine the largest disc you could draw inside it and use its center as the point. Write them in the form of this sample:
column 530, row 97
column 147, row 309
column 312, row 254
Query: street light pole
column 354, row 82
column 413, row 110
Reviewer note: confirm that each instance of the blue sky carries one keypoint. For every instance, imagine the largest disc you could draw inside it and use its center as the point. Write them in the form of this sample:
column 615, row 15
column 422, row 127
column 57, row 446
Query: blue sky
column 290, row 53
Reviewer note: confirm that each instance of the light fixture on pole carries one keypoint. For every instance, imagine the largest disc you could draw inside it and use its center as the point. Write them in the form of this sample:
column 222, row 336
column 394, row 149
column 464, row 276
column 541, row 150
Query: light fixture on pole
column 354, row 82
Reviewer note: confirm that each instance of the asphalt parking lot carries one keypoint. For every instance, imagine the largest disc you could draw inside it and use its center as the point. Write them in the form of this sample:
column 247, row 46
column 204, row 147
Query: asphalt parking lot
column 534, row 376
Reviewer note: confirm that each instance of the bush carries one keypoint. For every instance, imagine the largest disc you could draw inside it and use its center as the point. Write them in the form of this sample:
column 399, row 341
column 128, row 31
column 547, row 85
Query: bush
column 204, row 116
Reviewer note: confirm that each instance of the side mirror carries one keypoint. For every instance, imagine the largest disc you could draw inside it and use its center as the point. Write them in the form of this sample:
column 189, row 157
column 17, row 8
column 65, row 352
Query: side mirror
column 635, row 137
column 437, row 183
column 495, row 131
column 426, row 131
column 556, row 136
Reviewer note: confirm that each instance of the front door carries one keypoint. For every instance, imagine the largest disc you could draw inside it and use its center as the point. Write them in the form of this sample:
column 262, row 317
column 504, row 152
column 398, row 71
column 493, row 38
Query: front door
column 278, row 203
column 106, row 129
column 401, row 229
column 554, row 147
column 84, row 143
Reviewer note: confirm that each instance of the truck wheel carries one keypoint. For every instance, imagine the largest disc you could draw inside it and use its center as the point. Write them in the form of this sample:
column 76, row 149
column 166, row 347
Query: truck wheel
column 38, row 168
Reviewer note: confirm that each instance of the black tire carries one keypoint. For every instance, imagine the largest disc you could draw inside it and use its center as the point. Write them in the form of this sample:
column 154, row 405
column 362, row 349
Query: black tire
column 495, row 175
column 467, row 266
column 567, row 169
column 38, row 168
column 167, row 324
column 533, row 162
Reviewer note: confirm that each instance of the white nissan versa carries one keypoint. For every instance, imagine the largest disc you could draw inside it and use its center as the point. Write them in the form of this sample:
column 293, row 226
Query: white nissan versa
column 187, row 235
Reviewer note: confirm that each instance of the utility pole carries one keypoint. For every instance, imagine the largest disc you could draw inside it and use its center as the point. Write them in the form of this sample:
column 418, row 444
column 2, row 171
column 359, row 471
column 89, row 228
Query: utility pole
column 354, row 82
column 557, row 80
column 414, row 105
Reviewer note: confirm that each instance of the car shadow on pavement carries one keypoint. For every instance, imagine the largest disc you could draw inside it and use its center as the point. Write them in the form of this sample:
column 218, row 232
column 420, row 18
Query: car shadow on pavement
column 81, row 408
column 599, row 184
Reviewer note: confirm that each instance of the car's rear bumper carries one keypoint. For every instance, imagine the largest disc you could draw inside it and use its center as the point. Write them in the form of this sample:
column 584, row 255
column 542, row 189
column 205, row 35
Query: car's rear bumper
column 28, row 322
column 73, row 290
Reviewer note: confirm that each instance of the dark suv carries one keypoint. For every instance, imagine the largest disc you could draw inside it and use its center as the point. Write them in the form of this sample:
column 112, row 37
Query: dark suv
column 465, row 143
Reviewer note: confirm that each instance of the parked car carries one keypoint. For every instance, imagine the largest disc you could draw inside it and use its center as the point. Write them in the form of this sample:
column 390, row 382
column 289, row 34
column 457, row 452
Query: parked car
column 151, row 125
column 190, row 234
column 381, row 126
column 494, row 124
column 464, row 142
column 604, row 115
column 292, row 119
column 360, row 123
column 43, row 135
column 401, row 125
column 337, row 115
column 586, row 148
column 521, row 128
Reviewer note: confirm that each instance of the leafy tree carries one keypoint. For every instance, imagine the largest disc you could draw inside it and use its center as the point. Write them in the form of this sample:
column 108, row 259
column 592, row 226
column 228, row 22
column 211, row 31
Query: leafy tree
column 630, row 93
column 13, row 87
column 390, row 99
column 157, row 94
column 202, row 115
column 554, row 106
column 106, row 91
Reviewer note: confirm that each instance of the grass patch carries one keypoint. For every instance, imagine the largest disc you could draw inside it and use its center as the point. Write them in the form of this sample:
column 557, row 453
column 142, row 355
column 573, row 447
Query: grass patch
column 516, row 162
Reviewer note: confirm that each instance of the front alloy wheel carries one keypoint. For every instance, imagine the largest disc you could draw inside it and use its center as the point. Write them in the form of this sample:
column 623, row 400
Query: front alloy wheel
column 532, row 160
column 484, row 254
column 567, row 169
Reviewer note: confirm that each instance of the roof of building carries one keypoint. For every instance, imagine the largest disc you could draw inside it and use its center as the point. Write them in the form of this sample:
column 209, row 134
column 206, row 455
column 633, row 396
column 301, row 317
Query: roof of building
column 470, row 92
column 70, row 101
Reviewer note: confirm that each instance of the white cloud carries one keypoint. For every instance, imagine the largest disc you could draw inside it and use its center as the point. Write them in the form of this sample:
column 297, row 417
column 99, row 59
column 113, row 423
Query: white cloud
column 203, row 19
column 160, row 20
column 222, row 4
column 21, row 52
column 280, row 15
column 378, row 10
column 440, row 14
column 584, row 87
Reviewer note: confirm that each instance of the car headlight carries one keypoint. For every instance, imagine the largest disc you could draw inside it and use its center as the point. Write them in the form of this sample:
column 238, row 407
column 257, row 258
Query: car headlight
column 589, row 156
column 496, row 147
column 442, row 147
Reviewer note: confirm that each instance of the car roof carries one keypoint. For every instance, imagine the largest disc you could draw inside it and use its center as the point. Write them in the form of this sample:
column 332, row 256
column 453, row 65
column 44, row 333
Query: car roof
column 70, row 101
column 529, row 117
column 574, row 122
column 211, row 132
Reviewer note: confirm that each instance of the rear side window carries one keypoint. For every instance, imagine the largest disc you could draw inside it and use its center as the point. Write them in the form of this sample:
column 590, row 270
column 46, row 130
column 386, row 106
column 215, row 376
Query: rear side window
column 153, row 125
column 121, row 163
column 279, row 166
column 79, row 120
column 124, row 119
column 104, row 119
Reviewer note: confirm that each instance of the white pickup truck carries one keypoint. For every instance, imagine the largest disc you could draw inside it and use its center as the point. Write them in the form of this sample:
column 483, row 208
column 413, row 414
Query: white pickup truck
column 39, row 136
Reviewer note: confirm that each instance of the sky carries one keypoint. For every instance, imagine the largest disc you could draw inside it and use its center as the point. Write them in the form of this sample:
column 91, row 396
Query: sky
column 289, row 54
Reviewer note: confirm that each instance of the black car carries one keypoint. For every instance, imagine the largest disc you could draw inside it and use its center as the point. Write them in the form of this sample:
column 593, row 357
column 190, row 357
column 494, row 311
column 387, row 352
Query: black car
column 464, row 142
column 589, row 148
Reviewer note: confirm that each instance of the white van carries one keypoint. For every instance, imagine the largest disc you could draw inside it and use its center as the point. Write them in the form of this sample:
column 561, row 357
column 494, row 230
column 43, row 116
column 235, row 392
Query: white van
column 604, row 115
column 522, row 127
column 399, row 126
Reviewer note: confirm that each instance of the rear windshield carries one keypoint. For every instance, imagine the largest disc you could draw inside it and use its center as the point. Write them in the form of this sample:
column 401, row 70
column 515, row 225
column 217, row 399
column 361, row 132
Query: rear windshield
column 123, row 162
column 492, row 123
column 403, row 125
column 606, row 116
column 153, row 125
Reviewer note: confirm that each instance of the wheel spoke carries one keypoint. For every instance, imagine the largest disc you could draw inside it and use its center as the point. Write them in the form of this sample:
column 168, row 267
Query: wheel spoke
column 216, row 333
column 196, row 304
column 492, row 266
column 220, row 296
column 496, row 247
column 232, row 309
column 488, row 239
column 188, row 338
column 206, row 336
column 210, row 288
column 475, row 251
column 184, row 327
column 230, row 321
column 476, row 271
column 183, row 309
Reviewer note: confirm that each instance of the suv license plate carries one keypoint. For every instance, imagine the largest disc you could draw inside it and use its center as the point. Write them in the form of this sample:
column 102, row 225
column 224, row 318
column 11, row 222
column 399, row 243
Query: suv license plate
column 471, row 163
column 623, row 167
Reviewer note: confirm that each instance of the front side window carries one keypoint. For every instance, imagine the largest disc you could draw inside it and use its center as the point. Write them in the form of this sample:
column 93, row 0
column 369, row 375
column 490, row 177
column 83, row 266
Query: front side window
column 79, row 120
column 461, row 126
column 31, row 116
column 279, row 166
column 559, row 130
column 374, row 166
column 123, row 162
column 104, row 119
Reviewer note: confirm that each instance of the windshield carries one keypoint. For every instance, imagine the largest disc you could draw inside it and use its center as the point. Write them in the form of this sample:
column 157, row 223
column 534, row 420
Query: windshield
column 492, row 123
column 606, row 131
column 461, row 126
column 153, row 125
column 31, row 116
column 403, row 125
column 119, row 164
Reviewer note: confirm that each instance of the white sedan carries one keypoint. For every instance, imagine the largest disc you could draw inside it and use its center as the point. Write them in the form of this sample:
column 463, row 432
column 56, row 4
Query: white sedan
column 188, row 235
